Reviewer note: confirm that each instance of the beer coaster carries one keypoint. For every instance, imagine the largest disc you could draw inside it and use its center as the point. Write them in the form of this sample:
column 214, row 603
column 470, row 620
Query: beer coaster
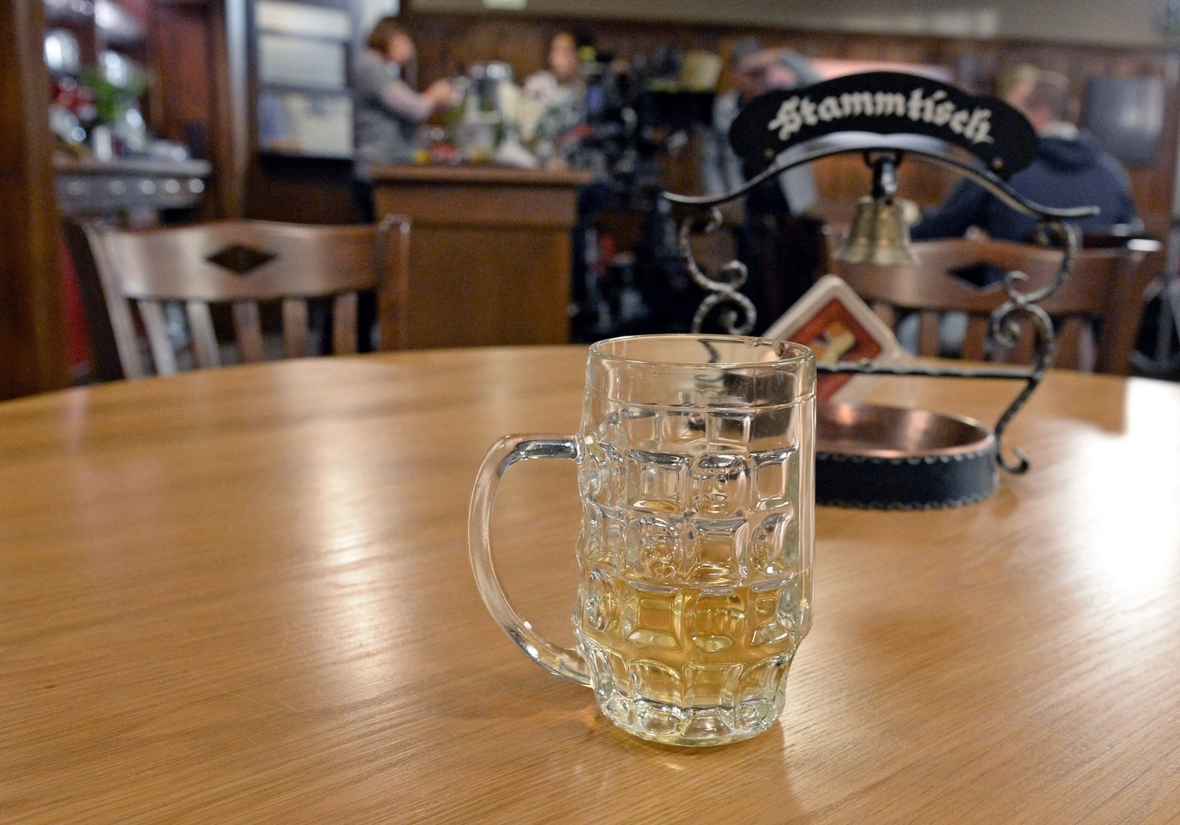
column 837, row 325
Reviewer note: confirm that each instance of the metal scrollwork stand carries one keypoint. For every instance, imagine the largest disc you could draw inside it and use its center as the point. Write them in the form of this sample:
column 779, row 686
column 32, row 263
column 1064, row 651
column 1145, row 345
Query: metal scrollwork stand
column 1004, row 330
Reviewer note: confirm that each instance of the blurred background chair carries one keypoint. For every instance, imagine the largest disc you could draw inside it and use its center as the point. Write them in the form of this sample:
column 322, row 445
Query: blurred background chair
column 1096, row 312
column 242, row 291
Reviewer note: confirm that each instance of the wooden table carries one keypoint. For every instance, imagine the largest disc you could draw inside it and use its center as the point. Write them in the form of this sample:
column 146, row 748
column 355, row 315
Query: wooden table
column 490, row 252
column 243, row 596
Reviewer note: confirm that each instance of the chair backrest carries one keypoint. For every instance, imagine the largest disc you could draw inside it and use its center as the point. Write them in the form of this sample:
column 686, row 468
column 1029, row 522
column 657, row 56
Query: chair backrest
column 246, row 265
column 1102, row 296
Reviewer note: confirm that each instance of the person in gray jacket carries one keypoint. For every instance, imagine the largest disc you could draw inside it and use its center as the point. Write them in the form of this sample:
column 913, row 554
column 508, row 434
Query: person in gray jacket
column 386, row 109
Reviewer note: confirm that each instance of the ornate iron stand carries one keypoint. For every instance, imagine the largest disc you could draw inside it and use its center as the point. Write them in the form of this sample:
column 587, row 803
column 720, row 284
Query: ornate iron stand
column 738, row 314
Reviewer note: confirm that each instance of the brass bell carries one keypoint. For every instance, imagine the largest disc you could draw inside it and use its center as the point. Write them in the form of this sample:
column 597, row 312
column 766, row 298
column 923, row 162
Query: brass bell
column 880, row 233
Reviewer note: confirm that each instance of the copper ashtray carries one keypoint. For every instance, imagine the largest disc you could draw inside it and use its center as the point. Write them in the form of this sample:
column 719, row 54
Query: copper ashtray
column 892, row 458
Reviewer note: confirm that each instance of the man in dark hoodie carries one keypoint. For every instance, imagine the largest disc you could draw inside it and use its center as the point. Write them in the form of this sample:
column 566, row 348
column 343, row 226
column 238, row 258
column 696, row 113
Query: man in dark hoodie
column 1070, row 169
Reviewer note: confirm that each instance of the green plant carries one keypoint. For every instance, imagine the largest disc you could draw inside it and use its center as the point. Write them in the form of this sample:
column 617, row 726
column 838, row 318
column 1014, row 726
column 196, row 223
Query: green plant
column 111, row 101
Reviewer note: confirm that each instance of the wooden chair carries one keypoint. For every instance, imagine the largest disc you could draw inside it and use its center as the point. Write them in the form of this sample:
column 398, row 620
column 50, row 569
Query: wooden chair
column 1102, row 297
column 247, row 265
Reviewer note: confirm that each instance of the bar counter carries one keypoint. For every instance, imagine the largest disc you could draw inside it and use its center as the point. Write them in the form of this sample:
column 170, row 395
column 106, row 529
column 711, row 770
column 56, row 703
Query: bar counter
column 490, row 252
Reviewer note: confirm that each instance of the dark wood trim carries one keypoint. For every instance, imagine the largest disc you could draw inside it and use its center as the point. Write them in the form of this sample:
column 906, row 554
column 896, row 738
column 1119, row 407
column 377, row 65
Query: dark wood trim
column 230, row 139
column 32, row 318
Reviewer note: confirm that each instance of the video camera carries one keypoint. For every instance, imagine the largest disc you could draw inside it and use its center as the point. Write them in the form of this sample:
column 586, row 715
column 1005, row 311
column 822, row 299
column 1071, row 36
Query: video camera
column 640, row 108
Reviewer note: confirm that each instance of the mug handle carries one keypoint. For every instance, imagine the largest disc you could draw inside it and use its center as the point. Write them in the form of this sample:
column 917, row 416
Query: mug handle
column 503, row 454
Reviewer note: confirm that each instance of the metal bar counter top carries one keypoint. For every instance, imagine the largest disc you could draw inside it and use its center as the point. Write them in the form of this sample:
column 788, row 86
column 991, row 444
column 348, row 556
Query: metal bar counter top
column 243, row 596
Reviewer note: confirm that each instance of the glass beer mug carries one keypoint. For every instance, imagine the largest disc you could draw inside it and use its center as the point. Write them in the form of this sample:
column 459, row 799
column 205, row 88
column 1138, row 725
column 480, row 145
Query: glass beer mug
column 696, row 469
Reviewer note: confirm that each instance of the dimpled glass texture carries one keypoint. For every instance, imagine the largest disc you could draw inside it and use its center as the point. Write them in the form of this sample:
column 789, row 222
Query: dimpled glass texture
column 696, row 473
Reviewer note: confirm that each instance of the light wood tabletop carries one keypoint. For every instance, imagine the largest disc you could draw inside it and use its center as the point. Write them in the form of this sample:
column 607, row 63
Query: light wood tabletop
column 243, row 596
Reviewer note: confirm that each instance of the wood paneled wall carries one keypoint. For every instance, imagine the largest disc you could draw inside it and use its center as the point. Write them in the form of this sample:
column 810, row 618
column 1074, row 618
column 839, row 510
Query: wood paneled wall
column 179, row 50
column 189, row 99
column 449, row 42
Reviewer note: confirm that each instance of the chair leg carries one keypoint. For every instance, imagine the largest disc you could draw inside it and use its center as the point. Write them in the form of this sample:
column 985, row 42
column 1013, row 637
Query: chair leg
column 248, row 331
column 200, row 324
column 344, row 323
column 296, row 342
column 156, row 327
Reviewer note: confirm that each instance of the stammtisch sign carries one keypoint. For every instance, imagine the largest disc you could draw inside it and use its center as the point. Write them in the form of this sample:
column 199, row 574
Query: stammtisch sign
column 885, row 103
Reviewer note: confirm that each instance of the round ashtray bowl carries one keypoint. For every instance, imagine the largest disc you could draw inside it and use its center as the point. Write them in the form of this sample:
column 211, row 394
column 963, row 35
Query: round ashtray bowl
column 890, row 458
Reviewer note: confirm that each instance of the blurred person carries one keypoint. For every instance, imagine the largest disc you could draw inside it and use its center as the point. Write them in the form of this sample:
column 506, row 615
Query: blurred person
column 386, row 109
column 554, row 124
column 721, row 168
column 755, row 71
column 1070, row 169
column 782, row 248
column 386, row 114
column 554, row 101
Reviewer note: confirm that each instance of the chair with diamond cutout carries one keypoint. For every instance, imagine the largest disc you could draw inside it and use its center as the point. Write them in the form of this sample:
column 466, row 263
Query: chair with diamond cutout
column 246, row 266
column 1096, row 311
